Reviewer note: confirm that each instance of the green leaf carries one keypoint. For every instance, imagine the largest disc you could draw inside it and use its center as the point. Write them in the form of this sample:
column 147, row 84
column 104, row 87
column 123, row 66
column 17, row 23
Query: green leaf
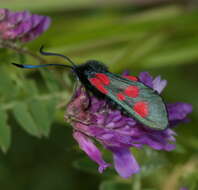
column 51, row 108
column 42, row 112
column 114, row 185
column 25, row 119
column 7, row 87
column 31, row 87
column 22, row 58
column 50, row 80
column 5, row 134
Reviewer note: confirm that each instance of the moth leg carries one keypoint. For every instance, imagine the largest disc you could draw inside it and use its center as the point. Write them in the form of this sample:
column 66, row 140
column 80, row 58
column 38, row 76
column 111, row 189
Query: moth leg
column 89, row 100
column 70, row 117
column 74, row 92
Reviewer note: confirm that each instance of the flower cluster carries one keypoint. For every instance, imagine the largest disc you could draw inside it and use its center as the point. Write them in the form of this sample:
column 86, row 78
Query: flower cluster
column 22, row 26
column 117, row 132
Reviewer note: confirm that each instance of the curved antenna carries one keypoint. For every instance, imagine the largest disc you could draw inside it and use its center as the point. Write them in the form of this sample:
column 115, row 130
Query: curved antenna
column 38, row 66
column 56, row 54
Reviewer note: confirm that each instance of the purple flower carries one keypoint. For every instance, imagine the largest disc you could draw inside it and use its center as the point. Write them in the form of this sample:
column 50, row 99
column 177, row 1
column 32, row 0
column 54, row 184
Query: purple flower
column 22, row 26
column 117, row 132
column 183, row 188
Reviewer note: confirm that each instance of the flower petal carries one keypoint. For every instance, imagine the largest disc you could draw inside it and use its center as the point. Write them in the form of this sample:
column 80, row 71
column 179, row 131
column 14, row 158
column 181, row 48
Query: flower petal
column 183, row 188
column 159, row 84
column 125, row 73
column 125, row 163
column 178, row 111
column 92, row 151
column 3, row 14
column 38, row 30
column 146, row 78
column 22, row 26
column 118, row 132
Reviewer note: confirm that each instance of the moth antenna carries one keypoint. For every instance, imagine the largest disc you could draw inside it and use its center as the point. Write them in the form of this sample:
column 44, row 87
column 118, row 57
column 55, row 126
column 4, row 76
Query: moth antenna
column 38, row 66
column 56, row 54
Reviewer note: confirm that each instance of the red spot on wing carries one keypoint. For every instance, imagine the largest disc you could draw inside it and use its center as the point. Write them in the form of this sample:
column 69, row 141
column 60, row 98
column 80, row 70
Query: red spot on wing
column 121, row 96
column 103, row 78
column 132, row 91
column 98, row 84
column 141, row 108
column 133, row 78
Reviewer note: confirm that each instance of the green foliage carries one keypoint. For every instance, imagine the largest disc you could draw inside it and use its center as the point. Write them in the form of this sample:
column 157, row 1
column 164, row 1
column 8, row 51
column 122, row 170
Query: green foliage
column 4, row 131
column 113, row 185
column 32, row 105
column 25, row 119
column 162, row 40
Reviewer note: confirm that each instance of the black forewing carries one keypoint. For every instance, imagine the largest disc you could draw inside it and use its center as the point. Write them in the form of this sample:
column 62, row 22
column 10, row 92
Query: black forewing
column 157, row 114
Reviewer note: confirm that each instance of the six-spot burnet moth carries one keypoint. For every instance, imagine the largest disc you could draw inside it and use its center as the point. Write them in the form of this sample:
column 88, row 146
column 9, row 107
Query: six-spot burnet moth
column 127, row 92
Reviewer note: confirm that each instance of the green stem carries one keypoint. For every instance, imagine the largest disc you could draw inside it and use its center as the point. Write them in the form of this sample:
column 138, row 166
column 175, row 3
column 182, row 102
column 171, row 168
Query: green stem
column 136, row 185
column 22, row 51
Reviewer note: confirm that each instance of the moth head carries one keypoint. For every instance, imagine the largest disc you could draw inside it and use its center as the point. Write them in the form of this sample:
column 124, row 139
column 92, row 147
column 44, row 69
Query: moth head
column 93, row 66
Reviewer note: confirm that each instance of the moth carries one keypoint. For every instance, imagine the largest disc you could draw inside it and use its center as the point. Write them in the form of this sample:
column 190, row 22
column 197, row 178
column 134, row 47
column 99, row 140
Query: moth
column 127, row 92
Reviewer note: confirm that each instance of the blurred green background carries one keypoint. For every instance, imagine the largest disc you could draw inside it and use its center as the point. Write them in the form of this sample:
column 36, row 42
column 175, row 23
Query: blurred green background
column 38, row 151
